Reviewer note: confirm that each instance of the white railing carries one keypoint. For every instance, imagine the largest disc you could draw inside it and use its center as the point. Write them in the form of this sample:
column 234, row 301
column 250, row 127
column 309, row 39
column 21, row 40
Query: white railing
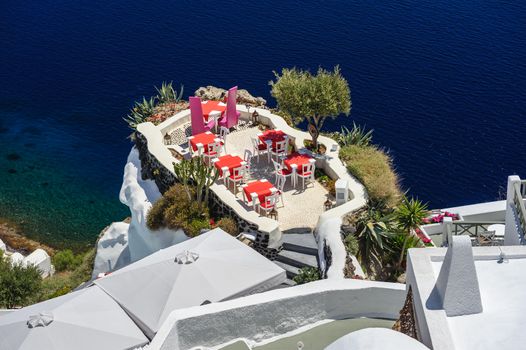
column 518, row 201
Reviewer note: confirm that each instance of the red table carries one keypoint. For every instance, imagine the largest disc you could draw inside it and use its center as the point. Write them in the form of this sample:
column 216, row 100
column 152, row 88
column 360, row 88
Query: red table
column 211, row 106
column 272, row 135
column 297, row 159
column 228, row 161
column 204, row 138
column 260, row 187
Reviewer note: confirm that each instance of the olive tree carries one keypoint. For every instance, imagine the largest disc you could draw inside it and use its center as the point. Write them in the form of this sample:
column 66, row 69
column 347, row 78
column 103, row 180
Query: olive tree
column 313, row 98
column 18, row 283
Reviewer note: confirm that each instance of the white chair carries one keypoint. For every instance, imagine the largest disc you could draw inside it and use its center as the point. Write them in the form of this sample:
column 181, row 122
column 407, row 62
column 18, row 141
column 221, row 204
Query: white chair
column 237, row 176
column 281, row 148
column 485, row 238
column 306, row 172
column 213, row 151
column 259, row 148
column 280, row 171
column 269, row 203
column 224, row 171
column 280, row 185
column 247, row 157
column 190, row 148
column 223, row 132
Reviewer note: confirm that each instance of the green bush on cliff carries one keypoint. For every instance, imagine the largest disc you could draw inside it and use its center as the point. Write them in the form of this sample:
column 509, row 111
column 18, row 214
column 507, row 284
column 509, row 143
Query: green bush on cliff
column 66, row 260
column 64, row 282
column 178, row 210
column 374, row 168
column 228, row 225
column 18, row 284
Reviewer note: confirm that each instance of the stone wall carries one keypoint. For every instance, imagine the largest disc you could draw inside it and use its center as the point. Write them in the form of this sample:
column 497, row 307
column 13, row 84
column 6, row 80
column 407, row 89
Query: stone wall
column 151, row 168
column 327, row 255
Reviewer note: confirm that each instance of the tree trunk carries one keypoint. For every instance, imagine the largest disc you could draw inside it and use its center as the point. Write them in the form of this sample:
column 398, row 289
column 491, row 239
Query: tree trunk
column 314, row 133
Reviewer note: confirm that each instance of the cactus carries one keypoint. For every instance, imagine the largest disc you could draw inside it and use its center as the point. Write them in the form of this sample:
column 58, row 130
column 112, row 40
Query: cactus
column 195, row 171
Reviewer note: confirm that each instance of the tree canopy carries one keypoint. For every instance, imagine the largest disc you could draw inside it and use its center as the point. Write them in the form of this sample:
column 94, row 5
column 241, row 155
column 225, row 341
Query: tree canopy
column 312, row 97
column 18, row 284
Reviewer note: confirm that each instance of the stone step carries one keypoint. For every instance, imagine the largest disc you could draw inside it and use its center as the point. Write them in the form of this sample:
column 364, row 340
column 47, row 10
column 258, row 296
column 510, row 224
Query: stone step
column 289, row 283
column 290, row 270
column 297, row 259
column 300, row 242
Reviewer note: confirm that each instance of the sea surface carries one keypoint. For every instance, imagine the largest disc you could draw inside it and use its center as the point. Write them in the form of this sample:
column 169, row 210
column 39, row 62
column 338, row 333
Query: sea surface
column 442, row 83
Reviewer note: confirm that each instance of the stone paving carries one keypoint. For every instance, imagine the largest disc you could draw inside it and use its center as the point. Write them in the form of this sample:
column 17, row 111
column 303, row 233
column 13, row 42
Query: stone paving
column 300, row 208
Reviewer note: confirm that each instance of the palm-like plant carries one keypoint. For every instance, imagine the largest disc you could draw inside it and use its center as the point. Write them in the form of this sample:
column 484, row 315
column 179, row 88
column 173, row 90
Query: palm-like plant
column 140, row 112
column 357, row 136
column 166, row 93
column 409, row 215
column 373, row 229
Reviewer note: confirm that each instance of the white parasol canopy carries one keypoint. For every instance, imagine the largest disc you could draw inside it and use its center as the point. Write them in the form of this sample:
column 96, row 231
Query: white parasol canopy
column 83, row 320
column 209, row 268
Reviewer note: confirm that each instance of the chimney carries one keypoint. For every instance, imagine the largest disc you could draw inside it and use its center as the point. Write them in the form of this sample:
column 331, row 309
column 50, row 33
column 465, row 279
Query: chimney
column 457, row 283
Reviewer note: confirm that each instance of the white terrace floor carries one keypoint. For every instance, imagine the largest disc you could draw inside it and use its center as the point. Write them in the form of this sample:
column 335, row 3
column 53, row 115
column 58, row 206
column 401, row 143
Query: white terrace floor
column 300, row 208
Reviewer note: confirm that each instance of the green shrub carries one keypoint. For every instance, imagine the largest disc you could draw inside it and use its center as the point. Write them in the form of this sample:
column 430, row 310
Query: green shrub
column 306, row 275
column 351, row 244
column 66, row 260
column 373, row 167
column 155, row 216
column 228, row 225
column 175, row 210
column 64, row 282
column 18, row 284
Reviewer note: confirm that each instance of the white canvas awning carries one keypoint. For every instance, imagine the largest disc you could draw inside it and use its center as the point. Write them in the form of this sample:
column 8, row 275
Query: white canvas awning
column 83, row 320
column 209, row 268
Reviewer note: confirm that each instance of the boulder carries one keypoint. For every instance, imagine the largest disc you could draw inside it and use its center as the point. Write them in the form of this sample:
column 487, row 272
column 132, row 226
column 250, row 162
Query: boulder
column 16, row 258
column 243, row 96
column 210, row 93
column 41, row 260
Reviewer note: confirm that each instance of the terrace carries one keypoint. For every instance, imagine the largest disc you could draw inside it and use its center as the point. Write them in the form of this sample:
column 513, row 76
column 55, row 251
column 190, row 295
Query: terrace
column 299, row 208
column 493, row 223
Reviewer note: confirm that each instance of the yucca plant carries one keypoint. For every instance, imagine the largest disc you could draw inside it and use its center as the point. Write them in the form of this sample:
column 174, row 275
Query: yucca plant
column 409, row 215
column 140, row 112
column 166, row 93
column 373, row 230
column 357, row 136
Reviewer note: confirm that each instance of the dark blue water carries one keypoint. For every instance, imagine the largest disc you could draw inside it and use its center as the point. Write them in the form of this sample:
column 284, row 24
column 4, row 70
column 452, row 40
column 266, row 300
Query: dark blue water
column 441, row 82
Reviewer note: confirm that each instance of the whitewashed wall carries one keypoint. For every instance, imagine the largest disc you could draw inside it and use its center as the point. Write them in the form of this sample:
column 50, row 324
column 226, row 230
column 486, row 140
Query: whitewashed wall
column 275, row 313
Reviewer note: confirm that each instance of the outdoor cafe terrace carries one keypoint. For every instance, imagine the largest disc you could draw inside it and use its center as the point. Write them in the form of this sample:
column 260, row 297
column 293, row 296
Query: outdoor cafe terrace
column 263, row 168
column 297, row 207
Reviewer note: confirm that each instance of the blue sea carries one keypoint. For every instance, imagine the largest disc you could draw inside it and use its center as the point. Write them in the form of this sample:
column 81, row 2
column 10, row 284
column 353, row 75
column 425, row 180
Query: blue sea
column 442, row 84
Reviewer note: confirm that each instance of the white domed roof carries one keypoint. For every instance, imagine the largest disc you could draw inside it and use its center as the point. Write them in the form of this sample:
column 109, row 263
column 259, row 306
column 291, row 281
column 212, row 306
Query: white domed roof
column 376, row 339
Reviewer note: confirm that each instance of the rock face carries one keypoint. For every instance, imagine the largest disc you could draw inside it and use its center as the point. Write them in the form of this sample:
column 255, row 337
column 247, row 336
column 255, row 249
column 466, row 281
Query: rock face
column 243, row 96
column 41, row 260
column 123, row 243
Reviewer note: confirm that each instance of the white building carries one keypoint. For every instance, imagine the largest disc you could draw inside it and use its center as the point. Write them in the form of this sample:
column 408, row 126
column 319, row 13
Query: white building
column 469, row 297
